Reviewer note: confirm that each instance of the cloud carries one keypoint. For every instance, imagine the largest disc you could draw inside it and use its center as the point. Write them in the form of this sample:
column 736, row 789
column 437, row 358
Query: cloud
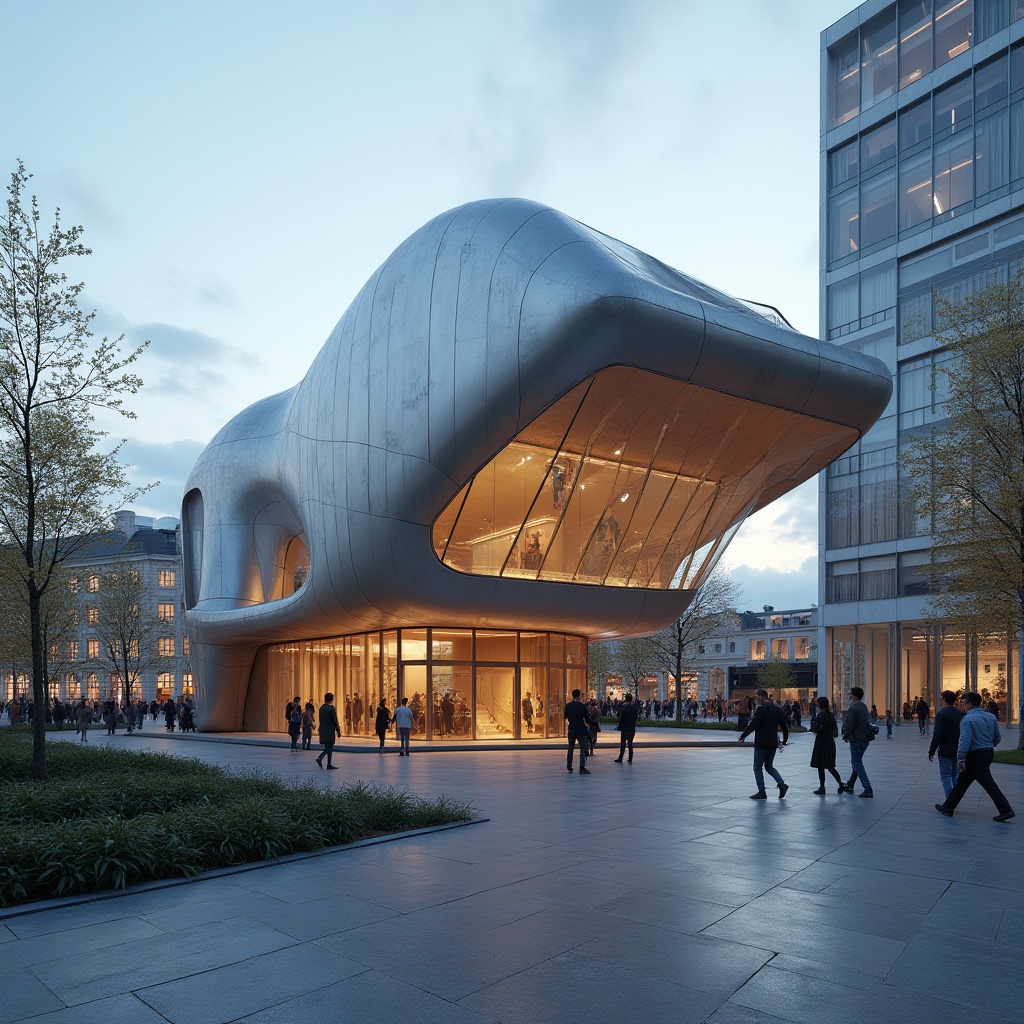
column 170, row 464
column 213, row 292
column 780, row 536
column 792, row 588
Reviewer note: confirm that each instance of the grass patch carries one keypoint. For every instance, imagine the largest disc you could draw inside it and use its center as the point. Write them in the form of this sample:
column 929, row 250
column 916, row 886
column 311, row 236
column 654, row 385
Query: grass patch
column 1010, row 757
column 107, row 819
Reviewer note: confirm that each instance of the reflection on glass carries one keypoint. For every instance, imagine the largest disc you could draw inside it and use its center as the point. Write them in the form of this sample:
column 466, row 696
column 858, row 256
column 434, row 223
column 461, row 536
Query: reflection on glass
column 494, row 702
column 604, row 489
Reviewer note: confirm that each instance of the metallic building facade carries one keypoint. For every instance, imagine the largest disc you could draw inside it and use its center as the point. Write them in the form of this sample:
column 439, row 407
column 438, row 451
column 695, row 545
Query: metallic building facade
column 922, row 183
column 521, row 429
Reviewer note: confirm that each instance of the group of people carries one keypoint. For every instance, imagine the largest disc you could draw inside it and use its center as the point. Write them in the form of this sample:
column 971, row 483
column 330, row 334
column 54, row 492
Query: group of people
column 964, row 742
column 300, row 719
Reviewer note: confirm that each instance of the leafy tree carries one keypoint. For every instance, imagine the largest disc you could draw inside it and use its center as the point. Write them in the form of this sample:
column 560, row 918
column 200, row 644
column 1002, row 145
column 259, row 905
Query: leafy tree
column 711, row 613
column 57, row 480
column 775, row 676
column 967, row 472
column 127, row 632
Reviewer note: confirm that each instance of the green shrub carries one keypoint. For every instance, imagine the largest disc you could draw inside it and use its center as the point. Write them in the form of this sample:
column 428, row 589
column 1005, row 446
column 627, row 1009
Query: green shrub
column 107, row 819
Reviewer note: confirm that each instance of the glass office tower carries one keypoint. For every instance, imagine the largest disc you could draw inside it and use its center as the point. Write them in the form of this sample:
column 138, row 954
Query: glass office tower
column 922, row 183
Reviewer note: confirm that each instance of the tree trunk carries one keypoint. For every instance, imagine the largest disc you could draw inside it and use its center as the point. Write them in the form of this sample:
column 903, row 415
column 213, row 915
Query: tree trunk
column 38, row 685
column 679, row 685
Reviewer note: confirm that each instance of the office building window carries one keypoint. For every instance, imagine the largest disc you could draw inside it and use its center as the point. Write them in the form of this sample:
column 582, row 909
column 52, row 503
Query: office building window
column 72, row 586
column 165, row 646
column 92, row 615
column 844, row 81
column 700, row 648
column 92, row 683
column 914, row 573
column 92, row 649
column 915, row 18
column 757, row 650
column 164, row 685
column 878, row 578
column 843, row 307
column 843, row 164
column 953, row 174
column 71, row 684
column 184, row 645
column 843, row 233
column 732, row 647
column 877, row 294
column 953, row 23
column 165, row 611
column 916, row 191
column 718, row 648
column 780, row 647
column 841, row 582
column 166, row 578
column 73, row 650
column 801, row 648
column 990, row 17
column 94, row 584
column 878, row 58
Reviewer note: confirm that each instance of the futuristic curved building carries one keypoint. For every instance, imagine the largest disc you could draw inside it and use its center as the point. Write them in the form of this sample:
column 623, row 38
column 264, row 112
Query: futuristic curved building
column 521, row 435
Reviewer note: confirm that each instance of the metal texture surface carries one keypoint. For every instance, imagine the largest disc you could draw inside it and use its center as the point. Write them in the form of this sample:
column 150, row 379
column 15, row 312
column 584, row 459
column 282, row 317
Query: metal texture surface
column 477, row 324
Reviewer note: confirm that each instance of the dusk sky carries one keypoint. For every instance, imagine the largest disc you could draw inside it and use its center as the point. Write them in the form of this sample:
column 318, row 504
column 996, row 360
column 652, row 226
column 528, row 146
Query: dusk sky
column 241, row 167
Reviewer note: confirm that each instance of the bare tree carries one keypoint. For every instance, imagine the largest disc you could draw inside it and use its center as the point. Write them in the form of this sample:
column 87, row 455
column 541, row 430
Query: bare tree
column 711, row 613
column 600, row 661
column 128, row 633
column 635, row 658
column 57, row 478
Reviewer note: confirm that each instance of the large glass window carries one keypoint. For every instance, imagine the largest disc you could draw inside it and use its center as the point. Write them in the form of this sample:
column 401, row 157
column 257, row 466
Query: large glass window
column 878, row 208
column 915, row 191
column 878, row 145
column 844, row 81
column 915, row 18
column 878, row 58
column 991, row 83
column 843, row 164
column 953, row 107
column 843, row 225
column 1017, row 141
column 953, row 174
column 953, row 23
column 990, row 17
column 916, row 124
column 843, row 307
column 877, row 294
column 992, row 146
column 627, row 494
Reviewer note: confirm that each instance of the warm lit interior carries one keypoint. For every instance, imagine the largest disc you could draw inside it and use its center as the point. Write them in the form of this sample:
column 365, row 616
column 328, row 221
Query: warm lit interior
column 630, row 480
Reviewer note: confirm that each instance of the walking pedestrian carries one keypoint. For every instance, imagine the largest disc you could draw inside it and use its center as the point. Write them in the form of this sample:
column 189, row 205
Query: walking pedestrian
column 295, row 723
column 627, row 727
column 946, row 739
column 922, row 711
column 381, row 722
column 330, row 730
column 403, row 726
column 593, row 724
column 575, row 713
column 979, row 736
column 823, row 755
column 83, row 717
column 308, row 717
column 765, row 724
column 858, row 733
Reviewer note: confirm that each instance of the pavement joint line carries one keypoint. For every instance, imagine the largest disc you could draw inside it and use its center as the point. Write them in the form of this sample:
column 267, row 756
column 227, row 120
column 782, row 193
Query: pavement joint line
column 80, row 899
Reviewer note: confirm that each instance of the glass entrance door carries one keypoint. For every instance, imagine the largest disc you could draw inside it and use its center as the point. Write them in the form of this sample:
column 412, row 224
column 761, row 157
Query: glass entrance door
column 495, row 702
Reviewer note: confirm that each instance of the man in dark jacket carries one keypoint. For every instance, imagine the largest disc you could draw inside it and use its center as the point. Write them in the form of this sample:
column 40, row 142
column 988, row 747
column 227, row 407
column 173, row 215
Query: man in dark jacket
column 627, row 727
column 330, row 730
column 858, row 733
column 579, row 730
column 945, row 737
column 766, row 723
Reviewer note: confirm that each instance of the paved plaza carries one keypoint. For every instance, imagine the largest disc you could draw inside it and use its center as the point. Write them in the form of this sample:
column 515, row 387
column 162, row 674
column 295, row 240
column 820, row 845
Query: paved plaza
column 648, row 892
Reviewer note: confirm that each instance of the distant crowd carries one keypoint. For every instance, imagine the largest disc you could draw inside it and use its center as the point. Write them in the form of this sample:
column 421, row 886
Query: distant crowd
column 113, row 714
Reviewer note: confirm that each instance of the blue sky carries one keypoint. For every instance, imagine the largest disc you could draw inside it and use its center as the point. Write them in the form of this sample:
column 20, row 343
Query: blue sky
column 241, row 167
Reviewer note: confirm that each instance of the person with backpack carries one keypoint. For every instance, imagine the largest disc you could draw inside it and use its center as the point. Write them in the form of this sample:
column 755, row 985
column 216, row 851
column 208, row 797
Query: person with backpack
column 294, row 722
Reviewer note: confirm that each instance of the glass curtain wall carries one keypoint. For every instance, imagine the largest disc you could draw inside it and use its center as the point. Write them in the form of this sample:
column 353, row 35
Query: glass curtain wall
column 461, row 683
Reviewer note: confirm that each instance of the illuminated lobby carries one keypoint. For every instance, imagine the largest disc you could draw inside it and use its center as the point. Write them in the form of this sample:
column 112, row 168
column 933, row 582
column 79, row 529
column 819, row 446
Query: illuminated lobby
column 523, row 435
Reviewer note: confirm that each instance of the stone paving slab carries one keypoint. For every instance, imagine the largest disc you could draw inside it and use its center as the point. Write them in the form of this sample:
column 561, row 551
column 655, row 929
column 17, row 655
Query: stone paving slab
column 648, row 892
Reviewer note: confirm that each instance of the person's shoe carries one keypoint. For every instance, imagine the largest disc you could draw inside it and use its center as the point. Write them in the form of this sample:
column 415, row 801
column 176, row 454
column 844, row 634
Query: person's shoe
column 867, row 793
column 617, row 760
column 584, row 771
column 319, row 762
column 783, row 790
column 1005, row 816
column 629, row 760
column 942, row 809
column 821, row 791
column 568, row 767
column 759, row 795
column 332, row 767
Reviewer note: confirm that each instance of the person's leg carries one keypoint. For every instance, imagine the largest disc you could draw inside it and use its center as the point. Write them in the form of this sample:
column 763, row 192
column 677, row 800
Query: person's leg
column 759, row 768
column 320, row 757
column 821, row 779
column 948, row 773
column 835, row 775
column 571, row 740
column 403, row 735
column 769, row 767
column 629, row 743
column 983, row 773
column 963, row 783
column 622, row 748
column 857, row 763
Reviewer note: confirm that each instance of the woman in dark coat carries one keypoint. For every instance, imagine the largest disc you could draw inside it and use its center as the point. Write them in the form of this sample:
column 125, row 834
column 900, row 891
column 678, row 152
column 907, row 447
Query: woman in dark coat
column 381, row 722
column 823, row 756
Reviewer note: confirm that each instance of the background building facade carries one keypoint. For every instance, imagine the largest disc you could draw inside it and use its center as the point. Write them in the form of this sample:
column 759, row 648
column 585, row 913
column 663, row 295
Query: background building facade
column 77, row 667
column 922, row 183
